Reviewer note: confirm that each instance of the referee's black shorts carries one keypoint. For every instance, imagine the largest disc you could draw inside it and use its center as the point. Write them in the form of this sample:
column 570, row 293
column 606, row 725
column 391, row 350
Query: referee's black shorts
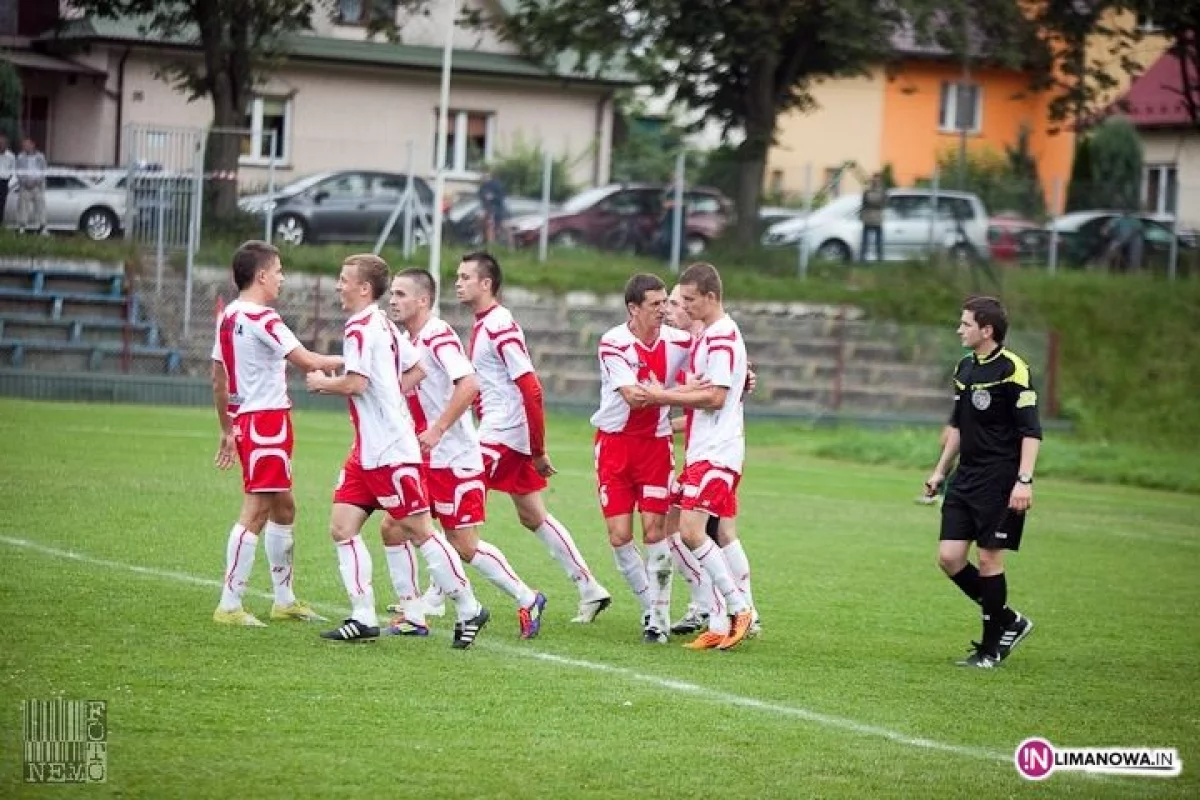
column 982, row 515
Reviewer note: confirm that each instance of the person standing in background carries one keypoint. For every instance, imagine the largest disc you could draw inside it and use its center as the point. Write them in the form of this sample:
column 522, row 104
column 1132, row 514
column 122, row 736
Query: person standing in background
column 8, row 163
column 31, row 179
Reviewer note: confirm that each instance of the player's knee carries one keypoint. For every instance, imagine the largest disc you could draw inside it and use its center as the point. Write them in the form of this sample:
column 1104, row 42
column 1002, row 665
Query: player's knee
column 620, row 538
column 991, row 562
column 283, row 509
column 951, row 563
column 530, row 519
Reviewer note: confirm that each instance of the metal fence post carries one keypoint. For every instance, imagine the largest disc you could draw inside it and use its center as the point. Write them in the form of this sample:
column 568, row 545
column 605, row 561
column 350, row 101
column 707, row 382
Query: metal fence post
column 808, row 198
column 193, row 243
column 270, row 215
column 1054, row 212
column 1173, row 257
column 677, row 213
column 936, row 188
column 160, row 237
column 410, row 190
column 544, row 234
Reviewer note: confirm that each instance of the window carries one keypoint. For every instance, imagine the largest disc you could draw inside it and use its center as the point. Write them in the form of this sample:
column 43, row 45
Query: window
column 833, row 182
column 955, row 208
column 776, row 185
column 359, row 12
column 960, row 108
column 64, row 183
column 469, row 139
column 267, row 114
column 1161, row 188
column 348, row 186
column 702, row 204
column 910, row 206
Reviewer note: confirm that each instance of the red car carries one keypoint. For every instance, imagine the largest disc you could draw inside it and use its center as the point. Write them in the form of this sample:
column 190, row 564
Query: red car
column 627, row 217
column 1005, row 239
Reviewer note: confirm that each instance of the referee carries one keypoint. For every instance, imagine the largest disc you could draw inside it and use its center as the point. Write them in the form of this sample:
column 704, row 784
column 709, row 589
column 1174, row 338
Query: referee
column 995, row 431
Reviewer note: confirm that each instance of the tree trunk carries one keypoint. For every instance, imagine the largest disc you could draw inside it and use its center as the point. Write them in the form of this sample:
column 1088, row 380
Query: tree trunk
column 752, row 166
column 221, row 156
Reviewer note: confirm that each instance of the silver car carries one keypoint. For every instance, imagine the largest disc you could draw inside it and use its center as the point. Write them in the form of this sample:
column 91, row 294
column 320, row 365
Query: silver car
column 910, row 228
column 74, row 203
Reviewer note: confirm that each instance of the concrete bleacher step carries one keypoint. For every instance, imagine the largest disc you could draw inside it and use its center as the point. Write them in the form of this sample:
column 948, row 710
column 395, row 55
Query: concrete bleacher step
column 85, row 331
column 78, row 357
column 61, row 280
column 59, row 305
column 859, row 397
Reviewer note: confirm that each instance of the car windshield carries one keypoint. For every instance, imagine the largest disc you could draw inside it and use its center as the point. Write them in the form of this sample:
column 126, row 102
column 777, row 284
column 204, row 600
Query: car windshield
column 297, row 186
column 586, row 199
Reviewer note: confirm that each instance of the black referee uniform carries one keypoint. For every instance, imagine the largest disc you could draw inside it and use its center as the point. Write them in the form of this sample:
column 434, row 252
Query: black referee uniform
column 995, row 407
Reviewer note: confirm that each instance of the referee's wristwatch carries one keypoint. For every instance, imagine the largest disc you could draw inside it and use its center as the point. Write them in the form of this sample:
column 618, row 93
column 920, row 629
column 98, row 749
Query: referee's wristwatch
column 1025, row 478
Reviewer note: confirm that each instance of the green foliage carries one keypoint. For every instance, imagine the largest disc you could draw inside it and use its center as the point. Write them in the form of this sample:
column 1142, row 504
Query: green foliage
column 521, row 171
column 1004, row 182
column 10, row 103
column 1115, row 150
column 1080, row 189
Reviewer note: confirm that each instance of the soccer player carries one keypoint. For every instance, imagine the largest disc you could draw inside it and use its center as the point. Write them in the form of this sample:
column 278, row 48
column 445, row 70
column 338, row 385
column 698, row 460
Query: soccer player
column 996, row 433
column 453, row 465
column 512, row 426
column 634, row 453
column 716, row 442
column 383, row 469
column 250, row 393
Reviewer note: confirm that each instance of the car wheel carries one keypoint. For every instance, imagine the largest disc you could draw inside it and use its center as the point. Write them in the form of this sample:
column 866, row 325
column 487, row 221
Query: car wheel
column 695, row 244
column 291, row 230
column 833, row 250
column 567, row 239
column 98, row 224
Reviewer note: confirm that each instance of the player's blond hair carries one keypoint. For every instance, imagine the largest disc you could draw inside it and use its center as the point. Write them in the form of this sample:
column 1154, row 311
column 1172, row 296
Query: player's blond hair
column 371, row 269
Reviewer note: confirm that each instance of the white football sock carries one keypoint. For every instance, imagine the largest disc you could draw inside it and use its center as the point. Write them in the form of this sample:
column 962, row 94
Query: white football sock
column 402, row 566
column 693, row 572
column 354, row 562
column 557, row 539
column 239, row 560
column 446, row 569
column 633, row 569
column 492, row 564
column 739, row 568
column 279, row 546
column 713, row 560
column 658, row 570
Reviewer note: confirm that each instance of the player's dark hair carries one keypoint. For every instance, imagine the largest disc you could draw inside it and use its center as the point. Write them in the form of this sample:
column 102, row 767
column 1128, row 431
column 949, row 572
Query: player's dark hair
column 371, row 269
column 248, row 259
column 704, row 277
column 989, row 311
column 637, row 286
column 486, row 266
column 423, row 278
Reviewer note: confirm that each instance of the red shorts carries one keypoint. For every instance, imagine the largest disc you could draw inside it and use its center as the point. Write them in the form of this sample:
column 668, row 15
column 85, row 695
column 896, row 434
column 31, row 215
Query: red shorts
column 510, row 471
column 459, row 496
column 706, row 487
column 264, row 445
column 633, row 472
column 396, row 488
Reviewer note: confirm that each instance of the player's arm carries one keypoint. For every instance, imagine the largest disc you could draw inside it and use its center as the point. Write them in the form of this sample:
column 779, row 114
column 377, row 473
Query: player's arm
column 227, row 448
column 306, row 360
column 466, row 389
column 708, row 397
column 1029, row 426
column 350, row 384
column 620, row 376
column 951, row 441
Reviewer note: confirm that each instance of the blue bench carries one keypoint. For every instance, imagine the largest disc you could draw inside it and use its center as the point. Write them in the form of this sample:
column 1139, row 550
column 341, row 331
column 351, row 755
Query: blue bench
column 40, row 280
column 77, row 330
column 58, row 305
column 79, row 357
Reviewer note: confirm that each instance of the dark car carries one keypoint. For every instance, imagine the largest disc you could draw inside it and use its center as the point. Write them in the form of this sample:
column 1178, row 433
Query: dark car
column 1082, row 240
column 343, row 206
column 464, row 222
column 619, row 217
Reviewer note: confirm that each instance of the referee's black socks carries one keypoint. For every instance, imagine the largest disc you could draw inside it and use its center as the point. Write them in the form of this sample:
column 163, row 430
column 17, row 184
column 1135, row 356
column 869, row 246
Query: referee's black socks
column 993, row 592
column 967, row 579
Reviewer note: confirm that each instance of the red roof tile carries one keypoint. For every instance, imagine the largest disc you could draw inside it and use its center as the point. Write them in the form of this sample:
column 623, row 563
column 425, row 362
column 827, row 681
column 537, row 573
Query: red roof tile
column 1155, row 100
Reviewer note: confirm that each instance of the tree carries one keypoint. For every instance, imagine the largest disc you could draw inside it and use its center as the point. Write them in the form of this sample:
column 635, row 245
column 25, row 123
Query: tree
column 520, row 170
column 239, row 43
column 1080, row 190
column 741, row 64
column 1116, row 155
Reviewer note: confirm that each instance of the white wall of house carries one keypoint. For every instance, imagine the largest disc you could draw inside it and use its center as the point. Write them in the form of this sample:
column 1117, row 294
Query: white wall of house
column 844, row 125
column 423, row 29
column 349, row 117
column 1178, row 150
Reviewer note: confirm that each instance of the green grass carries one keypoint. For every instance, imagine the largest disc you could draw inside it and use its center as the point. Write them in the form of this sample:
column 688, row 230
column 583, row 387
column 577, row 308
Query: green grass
column 861, row 631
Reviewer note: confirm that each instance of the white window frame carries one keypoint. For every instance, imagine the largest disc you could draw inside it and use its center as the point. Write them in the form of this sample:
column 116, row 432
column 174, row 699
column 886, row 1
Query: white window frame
column 947, row 123
column 1162, row 203
column 258, row 140
column 458, row 120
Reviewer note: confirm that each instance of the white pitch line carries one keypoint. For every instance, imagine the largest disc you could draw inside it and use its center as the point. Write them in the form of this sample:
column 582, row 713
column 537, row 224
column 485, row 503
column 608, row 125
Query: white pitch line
column 683, row 687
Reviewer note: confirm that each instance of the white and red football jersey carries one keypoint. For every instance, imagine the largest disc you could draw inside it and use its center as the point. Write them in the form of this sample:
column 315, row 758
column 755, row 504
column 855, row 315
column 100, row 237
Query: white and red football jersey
column 718, row 436
column 626, row 361
column 253, row 342
column 500, row 356
column 383, row 428
column 445, row 363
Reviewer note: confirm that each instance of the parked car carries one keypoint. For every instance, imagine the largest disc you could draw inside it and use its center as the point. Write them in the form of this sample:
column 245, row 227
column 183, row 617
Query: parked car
column 1009, row 237
column 463, row 220
column 1081, row 238
column 341, row 206
column 75, row 204
column 619, row 216
column 910, row 228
